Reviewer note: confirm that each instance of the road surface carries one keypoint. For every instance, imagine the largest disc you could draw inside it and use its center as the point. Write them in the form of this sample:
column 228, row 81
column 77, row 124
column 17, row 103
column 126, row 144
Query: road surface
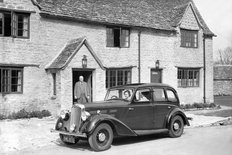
column 195, row 141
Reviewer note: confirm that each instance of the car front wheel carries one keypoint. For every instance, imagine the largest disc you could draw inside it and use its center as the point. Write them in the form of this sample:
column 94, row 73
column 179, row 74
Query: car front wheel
column 101, row 138
column 176, row 127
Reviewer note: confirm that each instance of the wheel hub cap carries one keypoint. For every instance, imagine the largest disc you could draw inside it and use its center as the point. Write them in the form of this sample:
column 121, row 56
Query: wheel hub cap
column 176, row 126
column 101, row 137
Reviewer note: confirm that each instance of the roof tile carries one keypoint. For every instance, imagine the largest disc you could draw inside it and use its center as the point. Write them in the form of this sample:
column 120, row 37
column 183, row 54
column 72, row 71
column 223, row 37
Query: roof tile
column 157, row 14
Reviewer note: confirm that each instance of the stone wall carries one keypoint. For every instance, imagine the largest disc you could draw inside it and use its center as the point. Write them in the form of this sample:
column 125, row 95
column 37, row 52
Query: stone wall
column 223, row 80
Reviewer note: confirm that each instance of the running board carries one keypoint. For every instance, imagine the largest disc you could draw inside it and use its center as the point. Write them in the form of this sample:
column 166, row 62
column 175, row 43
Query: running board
column 148, row 132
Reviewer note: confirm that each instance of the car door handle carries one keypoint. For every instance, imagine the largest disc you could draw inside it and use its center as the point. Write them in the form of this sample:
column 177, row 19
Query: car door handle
column 169, row 107
column 130, row 109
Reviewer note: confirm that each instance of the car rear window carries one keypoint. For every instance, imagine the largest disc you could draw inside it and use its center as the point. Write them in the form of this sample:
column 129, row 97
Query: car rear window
column 171, row 96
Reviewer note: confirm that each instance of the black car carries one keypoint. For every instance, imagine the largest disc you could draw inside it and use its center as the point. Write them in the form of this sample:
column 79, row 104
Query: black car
column 129, row 110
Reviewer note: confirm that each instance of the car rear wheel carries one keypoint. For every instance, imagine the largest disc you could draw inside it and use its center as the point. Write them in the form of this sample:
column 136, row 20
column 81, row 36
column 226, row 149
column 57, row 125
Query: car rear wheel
column 176, row 127
column 101, row 138
column 62, row 137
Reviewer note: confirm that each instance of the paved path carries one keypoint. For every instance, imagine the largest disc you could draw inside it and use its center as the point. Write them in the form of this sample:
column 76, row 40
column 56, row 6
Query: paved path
column 195, row 141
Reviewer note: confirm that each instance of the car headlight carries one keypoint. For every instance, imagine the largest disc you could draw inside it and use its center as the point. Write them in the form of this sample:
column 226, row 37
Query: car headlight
column 64, row 114
column 72, row 127
column 84, row 115
column 59, row 125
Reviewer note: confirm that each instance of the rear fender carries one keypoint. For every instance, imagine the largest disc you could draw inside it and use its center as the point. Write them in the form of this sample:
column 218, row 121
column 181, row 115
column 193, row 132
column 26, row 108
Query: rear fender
column 174, row 112
column 117, row 126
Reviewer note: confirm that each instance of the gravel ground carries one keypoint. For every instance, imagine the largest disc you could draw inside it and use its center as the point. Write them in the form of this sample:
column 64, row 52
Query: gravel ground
column 26, row 133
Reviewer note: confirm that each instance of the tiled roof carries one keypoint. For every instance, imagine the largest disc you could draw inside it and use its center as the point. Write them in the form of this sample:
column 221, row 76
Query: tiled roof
column 69, row 51
column 157, row 14
column 223, row 72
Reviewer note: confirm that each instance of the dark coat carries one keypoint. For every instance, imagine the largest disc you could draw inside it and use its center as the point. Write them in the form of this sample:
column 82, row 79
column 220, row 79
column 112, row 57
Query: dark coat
column 81, row 88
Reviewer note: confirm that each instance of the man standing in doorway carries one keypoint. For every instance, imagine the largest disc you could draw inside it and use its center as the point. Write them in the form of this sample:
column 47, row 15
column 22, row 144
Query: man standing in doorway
column 81, row 91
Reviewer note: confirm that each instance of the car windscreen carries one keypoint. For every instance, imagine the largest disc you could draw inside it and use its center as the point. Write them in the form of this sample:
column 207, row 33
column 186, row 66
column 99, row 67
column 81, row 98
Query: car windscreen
column 119, row 94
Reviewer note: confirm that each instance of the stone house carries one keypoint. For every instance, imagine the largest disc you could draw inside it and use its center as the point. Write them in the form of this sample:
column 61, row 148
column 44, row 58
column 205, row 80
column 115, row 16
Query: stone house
column 222, row 80
column 45, row 45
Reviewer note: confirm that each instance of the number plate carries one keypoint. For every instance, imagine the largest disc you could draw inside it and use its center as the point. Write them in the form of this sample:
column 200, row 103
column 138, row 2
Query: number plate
column 69, row 139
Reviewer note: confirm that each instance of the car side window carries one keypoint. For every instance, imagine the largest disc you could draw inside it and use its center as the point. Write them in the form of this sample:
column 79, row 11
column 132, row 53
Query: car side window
column 142, row 95
column 158, row 94
column 171, row 96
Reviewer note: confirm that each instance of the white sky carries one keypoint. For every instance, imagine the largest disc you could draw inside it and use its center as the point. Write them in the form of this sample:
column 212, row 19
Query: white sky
column 218, row 16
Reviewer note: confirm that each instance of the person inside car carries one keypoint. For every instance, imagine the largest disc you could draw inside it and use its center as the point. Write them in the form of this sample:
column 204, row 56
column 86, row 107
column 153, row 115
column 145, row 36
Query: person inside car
column 127, row 95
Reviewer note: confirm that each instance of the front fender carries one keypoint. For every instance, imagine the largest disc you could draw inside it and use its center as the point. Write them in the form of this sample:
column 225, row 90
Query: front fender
column 119, row 127
column 174, row 112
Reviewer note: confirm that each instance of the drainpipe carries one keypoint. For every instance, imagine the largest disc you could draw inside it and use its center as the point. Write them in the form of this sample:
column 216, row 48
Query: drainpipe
column 204, row 68
column 139, row 54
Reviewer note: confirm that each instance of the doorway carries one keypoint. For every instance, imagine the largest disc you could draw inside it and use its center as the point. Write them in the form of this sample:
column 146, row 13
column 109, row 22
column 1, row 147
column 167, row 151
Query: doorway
column 88, row 78
column 156, row 75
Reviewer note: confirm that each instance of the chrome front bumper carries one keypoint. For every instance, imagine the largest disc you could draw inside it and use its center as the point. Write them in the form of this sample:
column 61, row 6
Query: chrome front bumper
column 78, row 134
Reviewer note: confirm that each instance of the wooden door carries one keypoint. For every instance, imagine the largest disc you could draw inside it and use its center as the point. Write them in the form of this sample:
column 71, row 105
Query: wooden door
column 156, row 76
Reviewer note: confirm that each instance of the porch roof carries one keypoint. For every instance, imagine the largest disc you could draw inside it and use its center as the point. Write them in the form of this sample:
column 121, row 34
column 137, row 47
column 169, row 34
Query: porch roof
column 69, row 51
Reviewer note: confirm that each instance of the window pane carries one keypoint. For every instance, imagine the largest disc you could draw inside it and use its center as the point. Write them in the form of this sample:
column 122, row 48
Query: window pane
column 116, row 37
column 25, row 33
column 1, row 23
column 196, row 78
column 110, row 37
column 107, row 79
column 16, row 80
column 14, row 25
column 7, row 24
column 22, row 28
column 143, row 95
column 190, row 78
column 158, row 95
column 1, row 80
column 120, row 78
column 171, row 96
column 127, row 77
column 112, row 78
column 124, row 38
column 6, row 80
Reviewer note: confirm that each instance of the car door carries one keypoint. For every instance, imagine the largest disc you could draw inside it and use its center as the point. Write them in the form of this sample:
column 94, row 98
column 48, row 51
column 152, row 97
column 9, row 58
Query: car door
column 139, row 113
column 162, row 107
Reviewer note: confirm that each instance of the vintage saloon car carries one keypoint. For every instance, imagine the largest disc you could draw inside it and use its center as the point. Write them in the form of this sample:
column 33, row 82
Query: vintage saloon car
column 130, row 110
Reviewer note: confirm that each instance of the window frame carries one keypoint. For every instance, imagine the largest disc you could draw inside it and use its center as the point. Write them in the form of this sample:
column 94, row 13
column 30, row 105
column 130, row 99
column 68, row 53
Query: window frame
column 116, row 70
column 187, row 37
column 112, row 28
column 184, row 81
column 15, row 23
column 10, row 80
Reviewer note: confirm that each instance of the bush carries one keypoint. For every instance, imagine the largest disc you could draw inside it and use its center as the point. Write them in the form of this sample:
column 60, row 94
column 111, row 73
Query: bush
column 212, row 105
column 2, row 117
column 20, row 114
column 199, row 106
column 24, row 114
column 188, row 106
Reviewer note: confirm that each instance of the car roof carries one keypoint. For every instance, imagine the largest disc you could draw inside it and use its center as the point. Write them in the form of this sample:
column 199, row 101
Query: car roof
column 138, row 85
